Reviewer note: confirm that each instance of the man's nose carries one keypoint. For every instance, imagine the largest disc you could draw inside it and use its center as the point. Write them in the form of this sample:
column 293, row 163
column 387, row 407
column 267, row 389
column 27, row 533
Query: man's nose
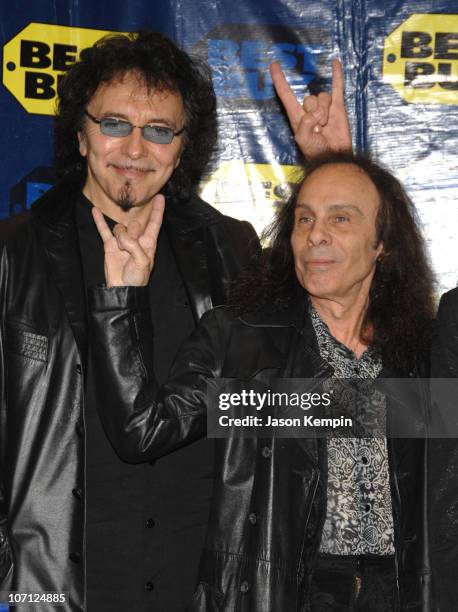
column 319, row 233
column 134, row 145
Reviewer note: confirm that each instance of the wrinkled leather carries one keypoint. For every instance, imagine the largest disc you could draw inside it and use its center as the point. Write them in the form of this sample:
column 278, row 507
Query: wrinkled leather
column 43, row 356
column 261, row 565
column 444, row 465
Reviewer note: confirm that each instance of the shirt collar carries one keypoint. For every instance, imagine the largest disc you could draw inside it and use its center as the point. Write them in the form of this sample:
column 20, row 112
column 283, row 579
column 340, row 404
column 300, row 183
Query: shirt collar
column 342, row 359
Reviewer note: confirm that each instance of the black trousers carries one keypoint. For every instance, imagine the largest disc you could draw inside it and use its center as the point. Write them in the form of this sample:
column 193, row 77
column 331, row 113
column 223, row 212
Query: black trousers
column 354, row 584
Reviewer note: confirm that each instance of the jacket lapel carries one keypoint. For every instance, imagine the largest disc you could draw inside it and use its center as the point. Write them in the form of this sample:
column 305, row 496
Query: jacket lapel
column 54, row 219
column 186, row 224
column 298, row 352
column 305, row 362
column 190, row 255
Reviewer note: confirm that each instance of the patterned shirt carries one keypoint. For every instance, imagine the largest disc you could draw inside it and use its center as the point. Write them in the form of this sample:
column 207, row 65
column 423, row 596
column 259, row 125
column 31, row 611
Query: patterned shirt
column 359, row 515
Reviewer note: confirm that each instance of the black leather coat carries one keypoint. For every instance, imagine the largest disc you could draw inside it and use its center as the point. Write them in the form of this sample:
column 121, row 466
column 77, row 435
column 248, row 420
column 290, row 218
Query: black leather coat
column 43, row 356
column 269, row 496
column 444, row 464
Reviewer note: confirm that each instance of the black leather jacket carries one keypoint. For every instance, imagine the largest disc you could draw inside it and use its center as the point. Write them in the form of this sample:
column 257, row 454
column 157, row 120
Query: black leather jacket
column 270, row 494
column 43, row 356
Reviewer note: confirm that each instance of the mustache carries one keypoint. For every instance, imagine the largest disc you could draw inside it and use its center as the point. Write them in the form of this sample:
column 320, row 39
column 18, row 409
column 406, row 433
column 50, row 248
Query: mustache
column 320, row 255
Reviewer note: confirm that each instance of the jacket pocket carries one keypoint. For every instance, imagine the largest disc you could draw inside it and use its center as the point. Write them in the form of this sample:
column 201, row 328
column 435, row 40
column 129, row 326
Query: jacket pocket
column 27, row 343
column 27, row 354
column 206, row 599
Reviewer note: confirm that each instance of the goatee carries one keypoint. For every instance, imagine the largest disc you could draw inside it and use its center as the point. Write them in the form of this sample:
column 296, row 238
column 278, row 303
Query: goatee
column 125, row 199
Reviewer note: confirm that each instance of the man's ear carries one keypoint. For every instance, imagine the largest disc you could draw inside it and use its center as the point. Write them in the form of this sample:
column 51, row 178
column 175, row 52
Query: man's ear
column 82, row 145
column 380, row 250
column 178, row 159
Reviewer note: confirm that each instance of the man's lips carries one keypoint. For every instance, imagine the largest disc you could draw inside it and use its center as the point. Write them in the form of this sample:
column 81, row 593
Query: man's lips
column 319, row 262
column 131, row 171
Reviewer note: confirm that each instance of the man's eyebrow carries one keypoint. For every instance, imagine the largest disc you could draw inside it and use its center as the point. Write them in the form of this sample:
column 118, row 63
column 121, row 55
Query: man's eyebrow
column 333, row 208
column 303, row 206
column 343, row 207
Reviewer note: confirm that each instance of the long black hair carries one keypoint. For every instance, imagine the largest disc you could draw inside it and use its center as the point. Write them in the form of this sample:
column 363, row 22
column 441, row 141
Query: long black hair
column 401, row 299
column 159, row 65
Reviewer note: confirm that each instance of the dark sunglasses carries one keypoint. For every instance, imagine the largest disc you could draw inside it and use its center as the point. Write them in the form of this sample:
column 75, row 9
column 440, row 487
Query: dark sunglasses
column 119, row 128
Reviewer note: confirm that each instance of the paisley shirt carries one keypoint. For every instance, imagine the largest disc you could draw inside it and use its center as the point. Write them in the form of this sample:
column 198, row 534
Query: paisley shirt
column 359, row 516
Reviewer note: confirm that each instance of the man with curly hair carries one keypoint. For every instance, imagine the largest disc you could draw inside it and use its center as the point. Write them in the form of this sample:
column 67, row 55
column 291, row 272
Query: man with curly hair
column 136, row 125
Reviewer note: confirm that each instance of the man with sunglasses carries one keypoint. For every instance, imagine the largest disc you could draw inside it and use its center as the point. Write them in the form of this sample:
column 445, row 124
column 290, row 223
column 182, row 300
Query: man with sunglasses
column 136, row 125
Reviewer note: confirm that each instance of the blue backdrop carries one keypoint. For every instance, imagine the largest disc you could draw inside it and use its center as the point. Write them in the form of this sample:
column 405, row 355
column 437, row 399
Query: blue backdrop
column 401, row 68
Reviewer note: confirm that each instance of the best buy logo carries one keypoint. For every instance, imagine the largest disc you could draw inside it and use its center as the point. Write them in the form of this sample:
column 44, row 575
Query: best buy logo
column 35, row 59
column 421, row 59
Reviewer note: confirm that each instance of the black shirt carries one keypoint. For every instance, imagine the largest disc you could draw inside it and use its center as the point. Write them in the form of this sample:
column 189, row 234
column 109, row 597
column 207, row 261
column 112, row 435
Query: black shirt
column 145, row 524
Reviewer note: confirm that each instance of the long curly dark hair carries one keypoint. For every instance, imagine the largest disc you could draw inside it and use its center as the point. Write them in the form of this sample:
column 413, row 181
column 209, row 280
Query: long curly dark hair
column 160, row 65
column 401, row 308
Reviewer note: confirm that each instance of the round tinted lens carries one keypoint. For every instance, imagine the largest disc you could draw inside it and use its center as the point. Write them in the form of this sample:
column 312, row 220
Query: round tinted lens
column 115, row 127
column 158, row 134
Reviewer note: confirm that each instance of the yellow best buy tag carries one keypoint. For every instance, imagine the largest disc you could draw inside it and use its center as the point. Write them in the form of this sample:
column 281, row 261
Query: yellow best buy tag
column 421, row 59
column 35, row 59
column 250, row 191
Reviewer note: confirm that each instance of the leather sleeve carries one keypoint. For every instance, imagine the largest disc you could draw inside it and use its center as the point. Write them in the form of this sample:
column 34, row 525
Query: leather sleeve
column 141, row 420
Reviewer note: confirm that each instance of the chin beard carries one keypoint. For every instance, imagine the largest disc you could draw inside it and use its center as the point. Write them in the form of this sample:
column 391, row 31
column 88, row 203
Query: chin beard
column 125, row 199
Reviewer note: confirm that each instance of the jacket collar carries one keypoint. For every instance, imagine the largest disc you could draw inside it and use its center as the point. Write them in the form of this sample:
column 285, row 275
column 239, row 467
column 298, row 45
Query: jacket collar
column 55, row 208
column 296, row 314
column 186, row 224
column 184, row 217
column 303, row 359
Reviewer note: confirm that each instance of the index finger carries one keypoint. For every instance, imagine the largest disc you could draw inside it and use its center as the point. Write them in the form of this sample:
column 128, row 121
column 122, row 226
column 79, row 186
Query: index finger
column 337, row 81
column 291, row 104
column 155, row 219
column 102, row 226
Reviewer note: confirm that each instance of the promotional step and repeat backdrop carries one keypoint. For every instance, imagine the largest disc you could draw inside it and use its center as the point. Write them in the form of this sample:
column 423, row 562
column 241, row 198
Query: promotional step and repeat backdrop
column 401, row 68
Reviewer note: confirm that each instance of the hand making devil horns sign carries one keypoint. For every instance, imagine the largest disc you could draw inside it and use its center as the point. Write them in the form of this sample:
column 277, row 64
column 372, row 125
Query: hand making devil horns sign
column 320, row 123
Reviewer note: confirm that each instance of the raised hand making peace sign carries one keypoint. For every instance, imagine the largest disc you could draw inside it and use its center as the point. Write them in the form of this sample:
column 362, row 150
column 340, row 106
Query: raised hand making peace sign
column 130, row 251
column 320, row 123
